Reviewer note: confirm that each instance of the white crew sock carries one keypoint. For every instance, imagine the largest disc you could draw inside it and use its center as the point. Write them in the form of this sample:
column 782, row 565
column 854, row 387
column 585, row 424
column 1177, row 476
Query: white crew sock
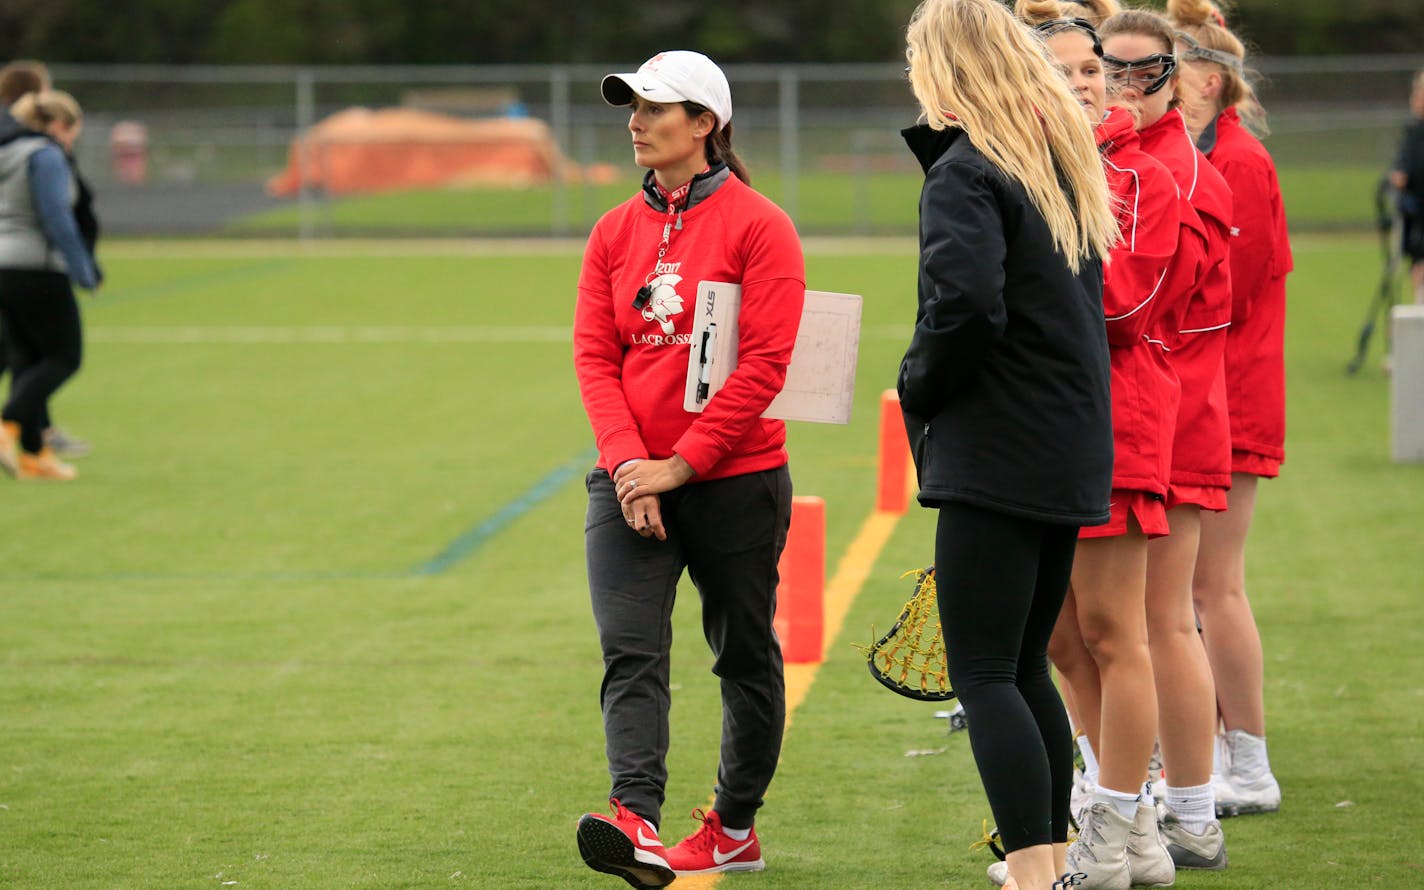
column 1125, row 802
column 1146, row 798
column 1220, row 756
column 1248, row 754
column 1195, row 806
column 737, row 834
column 1090, row 760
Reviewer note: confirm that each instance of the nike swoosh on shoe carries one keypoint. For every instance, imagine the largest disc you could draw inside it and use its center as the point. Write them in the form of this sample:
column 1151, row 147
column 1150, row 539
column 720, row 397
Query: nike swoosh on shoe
column 721, row 858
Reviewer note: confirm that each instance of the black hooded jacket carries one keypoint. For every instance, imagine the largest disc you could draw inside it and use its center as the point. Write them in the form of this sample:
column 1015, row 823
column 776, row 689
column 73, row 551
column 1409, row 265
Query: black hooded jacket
column 1004, row 386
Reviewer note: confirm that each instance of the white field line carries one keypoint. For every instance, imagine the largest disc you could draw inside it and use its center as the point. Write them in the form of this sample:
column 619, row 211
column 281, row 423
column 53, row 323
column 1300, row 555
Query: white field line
column 152, row 335
column 267, row 248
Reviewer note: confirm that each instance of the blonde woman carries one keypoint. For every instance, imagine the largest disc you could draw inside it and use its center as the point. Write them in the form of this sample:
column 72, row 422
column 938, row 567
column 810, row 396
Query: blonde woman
column 1218, row 101
column 41, row 253
column 1004, row 387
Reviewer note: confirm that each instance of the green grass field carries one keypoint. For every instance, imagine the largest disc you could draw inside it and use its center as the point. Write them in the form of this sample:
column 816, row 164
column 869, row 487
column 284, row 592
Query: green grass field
column 314, row 614
column 1334, row 197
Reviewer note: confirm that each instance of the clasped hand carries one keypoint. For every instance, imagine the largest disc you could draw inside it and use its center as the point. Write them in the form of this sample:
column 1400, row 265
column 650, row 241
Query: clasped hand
column 637, row 484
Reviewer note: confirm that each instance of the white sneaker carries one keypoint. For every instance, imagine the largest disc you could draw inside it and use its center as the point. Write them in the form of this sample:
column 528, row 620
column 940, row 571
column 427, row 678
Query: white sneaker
column 1100, row 852
column 1204, row 851
column 1148, row 861
column 999, row 873
column 1081, row 797
column 1246, row 784
column 1240, row 796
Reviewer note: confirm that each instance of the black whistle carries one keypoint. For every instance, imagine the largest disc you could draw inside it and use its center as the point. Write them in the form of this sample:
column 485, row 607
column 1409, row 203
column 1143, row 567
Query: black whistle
column 645, row 293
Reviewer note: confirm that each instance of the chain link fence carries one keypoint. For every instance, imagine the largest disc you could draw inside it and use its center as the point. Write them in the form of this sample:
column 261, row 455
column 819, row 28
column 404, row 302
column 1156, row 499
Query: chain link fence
column 192, row 151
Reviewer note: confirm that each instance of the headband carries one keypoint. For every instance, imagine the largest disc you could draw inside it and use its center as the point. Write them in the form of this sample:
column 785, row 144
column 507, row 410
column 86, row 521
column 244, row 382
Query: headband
column 1195, row 50
column 1058, row 26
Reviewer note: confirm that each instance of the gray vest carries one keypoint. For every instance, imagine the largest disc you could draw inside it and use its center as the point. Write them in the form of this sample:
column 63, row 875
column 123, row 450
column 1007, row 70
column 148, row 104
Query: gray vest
column 23, row 244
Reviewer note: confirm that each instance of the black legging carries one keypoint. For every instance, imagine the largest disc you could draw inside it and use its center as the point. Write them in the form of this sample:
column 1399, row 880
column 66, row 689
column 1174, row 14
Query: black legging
column 44, row 346
column 1001, row 582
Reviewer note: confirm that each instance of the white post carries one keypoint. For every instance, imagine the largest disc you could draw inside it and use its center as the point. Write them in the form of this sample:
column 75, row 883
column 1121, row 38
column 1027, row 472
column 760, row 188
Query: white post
column 559, row 114
column 1407, row 383
column 789, row 120
column 306, row 119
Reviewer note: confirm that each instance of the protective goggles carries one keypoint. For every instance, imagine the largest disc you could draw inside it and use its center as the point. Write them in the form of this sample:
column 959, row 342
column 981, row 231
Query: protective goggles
column 1148, row 74
column 1194, row 50
column 1058, row 26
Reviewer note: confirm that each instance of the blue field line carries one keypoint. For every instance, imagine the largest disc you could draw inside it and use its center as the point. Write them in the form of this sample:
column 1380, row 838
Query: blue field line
column 230, row 274
column 467, row 543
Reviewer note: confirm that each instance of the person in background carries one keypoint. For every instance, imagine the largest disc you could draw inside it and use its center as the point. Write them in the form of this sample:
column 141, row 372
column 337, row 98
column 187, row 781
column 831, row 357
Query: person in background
column 1005, row 392
column 1220, row 104
column 17, row 79
column 1407, row 177
column 674, row 491
column 41, row 253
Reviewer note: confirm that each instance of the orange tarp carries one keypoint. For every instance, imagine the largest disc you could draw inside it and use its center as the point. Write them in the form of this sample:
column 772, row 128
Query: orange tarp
column 360, row 150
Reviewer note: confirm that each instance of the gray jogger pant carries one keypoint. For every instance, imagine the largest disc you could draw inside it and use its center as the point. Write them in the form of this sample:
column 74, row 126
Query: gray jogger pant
column 728, row 534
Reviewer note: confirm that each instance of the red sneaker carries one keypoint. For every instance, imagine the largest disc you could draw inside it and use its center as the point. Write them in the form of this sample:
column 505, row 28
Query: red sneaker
column 624, row 846
column 711, row 850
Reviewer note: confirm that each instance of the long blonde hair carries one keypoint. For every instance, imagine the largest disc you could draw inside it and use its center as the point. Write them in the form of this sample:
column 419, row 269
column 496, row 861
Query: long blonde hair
column 1202, row 21
column 973, row 67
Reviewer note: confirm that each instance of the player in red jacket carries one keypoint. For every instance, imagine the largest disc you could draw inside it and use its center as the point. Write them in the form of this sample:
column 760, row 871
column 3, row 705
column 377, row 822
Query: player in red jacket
column 709, row 493
column 1139, row 55
column 1217, row 96
column 1099, row 643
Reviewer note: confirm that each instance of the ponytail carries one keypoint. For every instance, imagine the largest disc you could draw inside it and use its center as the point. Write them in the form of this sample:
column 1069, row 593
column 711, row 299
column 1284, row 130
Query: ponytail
column 1035, row 12
column 1095, row 11
column 718, row 147
column 1207, row 40
column 38, row 110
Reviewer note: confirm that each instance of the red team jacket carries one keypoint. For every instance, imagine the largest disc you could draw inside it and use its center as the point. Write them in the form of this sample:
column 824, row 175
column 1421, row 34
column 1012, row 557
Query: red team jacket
column 632, row 365
column 1136, row 291
column 1201, row 450
column 1260, row 260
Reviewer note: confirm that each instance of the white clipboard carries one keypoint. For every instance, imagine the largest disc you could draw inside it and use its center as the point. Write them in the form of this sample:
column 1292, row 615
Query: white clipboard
column 820, row 381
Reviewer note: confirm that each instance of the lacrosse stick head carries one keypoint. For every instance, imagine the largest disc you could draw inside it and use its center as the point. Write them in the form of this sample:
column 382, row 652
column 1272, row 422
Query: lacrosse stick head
column 910, row 659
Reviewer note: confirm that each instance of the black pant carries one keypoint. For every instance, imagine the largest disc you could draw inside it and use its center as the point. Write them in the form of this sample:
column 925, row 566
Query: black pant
column 1001, row 582
column 728, row 534
column 39, row 318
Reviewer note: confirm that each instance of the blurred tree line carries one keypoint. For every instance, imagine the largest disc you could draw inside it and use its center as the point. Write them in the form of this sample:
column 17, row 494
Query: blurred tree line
column 521, row 31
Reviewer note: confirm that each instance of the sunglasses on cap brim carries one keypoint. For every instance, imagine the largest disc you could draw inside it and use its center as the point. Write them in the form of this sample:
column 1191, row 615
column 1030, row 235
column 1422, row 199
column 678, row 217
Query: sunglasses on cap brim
column 1135, row 72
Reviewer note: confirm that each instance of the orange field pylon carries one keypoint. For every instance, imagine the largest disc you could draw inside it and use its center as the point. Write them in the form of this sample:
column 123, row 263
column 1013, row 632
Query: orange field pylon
column 894, row 491
column 800, row 597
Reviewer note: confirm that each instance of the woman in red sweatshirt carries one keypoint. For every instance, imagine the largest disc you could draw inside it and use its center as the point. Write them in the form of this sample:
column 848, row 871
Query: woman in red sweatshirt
column 1138, row 47
column 1217, row 98
column 708, row 493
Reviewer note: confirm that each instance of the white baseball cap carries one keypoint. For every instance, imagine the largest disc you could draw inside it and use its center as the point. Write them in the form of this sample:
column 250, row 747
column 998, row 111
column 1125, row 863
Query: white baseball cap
column 674, row 76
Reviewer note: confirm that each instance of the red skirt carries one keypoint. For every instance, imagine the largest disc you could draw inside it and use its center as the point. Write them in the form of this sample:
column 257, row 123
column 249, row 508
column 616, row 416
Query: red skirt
column 1149, row 510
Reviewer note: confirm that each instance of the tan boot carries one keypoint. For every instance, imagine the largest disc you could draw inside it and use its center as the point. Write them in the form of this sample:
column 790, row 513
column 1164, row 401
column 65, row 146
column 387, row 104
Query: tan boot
column 9, row 447
column 45, row 466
